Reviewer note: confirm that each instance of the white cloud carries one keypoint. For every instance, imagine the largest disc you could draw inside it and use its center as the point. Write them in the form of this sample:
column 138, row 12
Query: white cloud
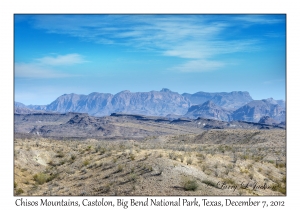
column 274, row 35
column 209, row 49
column 43, row 67
column 258, row 19
column 59, row 60
column 158, row 32
column 32, row 70
column 273, row 81
column 198, row 37
column 199, row 66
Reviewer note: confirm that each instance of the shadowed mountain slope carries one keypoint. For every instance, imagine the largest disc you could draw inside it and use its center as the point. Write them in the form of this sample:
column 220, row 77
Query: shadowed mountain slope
column 257, row 109
column 208, row 110
column 230, row 101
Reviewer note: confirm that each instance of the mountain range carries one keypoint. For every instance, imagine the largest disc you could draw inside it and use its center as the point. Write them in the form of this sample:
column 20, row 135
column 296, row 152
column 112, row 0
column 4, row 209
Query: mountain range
column 236, row 105
column 229, row 101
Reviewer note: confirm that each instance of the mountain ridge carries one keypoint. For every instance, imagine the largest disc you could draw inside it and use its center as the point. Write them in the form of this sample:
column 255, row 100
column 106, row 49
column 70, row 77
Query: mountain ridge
column 117, row 125
column 235, row 105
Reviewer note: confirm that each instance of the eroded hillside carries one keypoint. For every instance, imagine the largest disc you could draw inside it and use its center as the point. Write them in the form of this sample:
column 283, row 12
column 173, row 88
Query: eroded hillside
column 215, row 162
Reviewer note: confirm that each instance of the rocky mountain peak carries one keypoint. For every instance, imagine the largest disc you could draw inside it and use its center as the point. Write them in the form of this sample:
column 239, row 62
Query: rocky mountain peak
column 208, row 110
column 256, row 109
column 166, row 90
column 209, row 104
column 125, row 91
column 230, row 101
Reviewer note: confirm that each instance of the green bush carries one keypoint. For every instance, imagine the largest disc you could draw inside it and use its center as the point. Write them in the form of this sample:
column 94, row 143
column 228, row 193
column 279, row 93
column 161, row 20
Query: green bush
column 189, row 161
column 62, row 162
column 200, row 156
column 173, row 156
column 88, row 148
column 73, row 157
column 133, row 177
column 106, row 188
column 60, row 154
column 19, row 191
column 283, row 179
column 41, row 178
column 280, row 165
column 190, row 184
column 86, row 162
column 278, row 187
column 120, row 168
column 132, row 156
column 229, row 181
column 51, row 163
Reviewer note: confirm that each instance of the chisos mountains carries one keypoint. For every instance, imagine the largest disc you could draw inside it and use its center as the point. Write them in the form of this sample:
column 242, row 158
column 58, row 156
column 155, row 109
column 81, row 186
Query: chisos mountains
column 232, row 106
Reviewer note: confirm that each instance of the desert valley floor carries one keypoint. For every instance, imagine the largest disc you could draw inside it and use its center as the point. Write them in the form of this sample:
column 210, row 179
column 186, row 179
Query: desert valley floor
column 76, row 154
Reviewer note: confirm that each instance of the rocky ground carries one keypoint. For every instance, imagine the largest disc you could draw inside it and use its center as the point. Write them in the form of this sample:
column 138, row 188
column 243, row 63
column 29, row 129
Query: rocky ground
column 119, row 126
column 213, row 162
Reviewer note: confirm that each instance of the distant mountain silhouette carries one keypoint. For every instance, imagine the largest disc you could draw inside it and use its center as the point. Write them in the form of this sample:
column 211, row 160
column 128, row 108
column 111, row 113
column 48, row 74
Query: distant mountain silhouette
column 229, row 101
column 255, row 110
column 209, row 110
column 236, row 105
column 156, row 103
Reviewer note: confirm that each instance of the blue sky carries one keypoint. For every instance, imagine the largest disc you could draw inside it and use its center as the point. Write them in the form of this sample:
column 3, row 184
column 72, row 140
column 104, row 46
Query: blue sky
column 59, row 54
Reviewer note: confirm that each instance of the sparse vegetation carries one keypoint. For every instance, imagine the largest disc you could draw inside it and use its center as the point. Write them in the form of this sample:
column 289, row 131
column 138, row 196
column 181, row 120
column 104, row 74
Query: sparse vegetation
column 132, row 156
column 279, row 187
column 19, row 191
column 60, row 154
column 73, row 157
column 204, row 167
column 172, row 155
column 86, row 162
column 133, row 177
column 88, row 148
column 127, row 167
column 189, row 184
column 189, row 161
column 229, row 181
column 181, row 157
column 41, row 178
column 120, row 168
